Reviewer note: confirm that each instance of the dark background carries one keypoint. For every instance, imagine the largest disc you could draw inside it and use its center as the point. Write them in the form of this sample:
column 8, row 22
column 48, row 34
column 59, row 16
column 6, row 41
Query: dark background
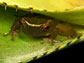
column 72, row 53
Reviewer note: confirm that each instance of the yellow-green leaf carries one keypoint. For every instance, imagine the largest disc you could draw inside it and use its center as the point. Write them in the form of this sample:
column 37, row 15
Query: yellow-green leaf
column 26, row 48
column 65, row 8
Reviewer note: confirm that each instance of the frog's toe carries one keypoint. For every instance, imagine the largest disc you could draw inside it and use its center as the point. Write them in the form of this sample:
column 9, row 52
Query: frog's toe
column 74, row 36
column 46, row 40
column 56, row 41
column 51, row 41
column 6, row 34
column 12, row 39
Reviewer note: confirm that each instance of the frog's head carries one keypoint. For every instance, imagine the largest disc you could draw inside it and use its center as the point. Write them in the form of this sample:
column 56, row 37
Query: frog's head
column 36, row 29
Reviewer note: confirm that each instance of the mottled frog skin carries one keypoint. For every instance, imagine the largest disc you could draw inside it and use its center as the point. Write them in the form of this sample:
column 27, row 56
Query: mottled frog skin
column 37, row 25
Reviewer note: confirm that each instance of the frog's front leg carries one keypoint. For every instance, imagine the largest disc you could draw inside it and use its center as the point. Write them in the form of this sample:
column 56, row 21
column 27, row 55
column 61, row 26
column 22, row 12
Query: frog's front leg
column 14, row 29
column 53, row 33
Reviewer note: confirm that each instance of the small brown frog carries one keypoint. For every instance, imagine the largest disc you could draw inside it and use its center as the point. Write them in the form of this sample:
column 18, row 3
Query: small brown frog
column 37, row 25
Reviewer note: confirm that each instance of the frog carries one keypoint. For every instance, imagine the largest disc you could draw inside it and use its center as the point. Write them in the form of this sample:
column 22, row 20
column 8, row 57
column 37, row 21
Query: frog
column 38, row 25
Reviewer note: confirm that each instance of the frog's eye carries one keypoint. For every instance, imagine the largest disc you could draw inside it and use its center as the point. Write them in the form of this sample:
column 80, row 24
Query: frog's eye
column 22, row 21
column 46, row 26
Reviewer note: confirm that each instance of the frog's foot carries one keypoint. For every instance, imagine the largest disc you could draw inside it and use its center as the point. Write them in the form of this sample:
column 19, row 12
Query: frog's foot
column 12, row 33
column 69, row 37
column 6, row 34
column 51, row 41
column 56, row 41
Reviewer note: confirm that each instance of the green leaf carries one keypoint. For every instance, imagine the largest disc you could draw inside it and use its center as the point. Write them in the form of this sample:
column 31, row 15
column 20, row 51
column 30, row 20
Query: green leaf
column 70, row 8
column 50, row 5
column 26, row 48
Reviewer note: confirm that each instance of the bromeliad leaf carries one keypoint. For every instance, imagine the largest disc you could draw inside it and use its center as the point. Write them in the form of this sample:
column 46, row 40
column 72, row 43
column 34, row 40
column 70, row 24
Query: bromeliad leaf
column 26, row 48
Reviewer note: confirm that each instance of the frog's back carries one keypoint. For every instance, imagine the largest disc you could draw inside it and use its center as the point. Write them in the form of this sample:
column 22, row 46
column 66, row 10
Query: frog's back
column 37, row 18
